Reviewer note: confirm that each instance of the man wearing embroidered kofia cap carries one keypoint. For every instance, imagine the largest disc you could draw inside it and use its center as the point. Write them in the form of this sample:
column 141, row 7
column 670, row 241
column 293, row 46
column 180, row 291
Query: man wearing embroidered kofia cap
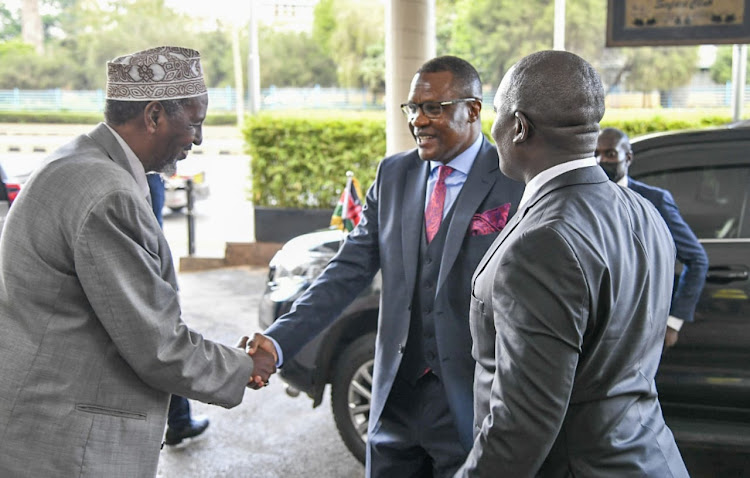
column 93, row 343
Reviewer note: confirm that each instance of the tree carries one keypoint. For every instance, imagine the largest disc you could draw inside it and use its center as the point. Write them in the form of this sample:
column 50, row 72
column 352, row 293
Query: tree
column 31, row 24
column 494, row 34
column 372, row 68
column 217, row 64
column 100, row 31
column 293, row 59
column 22, row 67
column 358, row 25
column 662, row 69
column 324, row 22
column 10, row 26
column 445, row 17
column 721, row 70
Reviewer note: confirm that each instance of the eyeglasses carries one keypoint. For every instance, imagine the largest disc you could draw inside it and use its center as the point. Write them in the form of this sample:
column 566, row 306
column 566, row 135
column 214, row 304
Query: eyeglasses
column 431, row 109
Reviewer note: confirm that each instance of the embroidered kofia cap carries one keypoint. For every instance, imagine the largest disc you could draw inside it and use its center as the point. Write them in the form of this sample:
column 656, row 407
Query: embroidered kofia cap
column 162, row 73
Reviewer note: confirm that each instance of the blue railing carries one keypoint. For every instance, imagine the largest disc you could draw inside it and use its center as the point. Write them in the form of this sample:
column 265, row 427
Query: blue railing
column 224, row 99
column 220, row 99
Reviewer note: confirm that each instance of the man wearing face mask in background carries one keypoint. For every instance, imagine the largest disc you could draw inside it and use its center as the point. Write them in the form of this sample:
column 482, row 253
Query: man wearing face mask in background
column 615, row 155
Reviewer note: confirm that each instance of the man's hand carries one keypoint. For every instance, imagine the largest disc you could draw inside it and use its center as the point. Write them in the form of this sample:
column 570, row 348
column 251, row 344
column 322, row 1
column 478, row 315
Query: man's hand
column 670, row 338
column 259, row 342
column 264, row 363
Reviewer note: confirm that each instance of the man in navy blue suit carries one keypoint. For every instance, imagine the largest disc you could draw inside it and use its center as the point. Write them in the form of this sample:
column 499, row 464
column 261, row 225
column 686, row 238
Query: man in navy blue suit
column 615, row 155
column 429, row 217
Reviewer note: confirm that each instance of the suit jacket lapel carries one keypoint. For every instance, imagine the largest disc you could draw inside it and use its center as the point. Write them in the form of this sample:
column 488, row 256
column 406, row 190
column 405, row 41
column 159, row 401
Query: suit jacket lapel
column 412, row 216
column 478, row 184
column 106, row 140
column 499, row 240
column 592, row 174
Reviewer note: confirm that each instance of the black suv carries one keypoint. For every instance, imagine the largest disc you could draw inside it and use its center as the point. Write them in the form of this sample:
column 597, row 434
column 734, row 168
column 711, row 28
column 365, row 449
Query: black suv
column 703, row 381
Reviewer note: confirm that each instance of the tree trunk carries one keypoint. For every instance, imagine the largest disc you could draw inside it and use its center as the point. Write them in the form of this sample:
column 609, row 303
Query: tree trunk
column 31, row 25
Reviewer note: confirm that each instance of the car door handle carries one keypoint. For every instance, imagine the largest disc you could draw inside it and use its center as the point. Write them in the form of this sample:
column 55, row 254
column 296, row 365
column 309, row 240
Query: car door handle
column 726, row 274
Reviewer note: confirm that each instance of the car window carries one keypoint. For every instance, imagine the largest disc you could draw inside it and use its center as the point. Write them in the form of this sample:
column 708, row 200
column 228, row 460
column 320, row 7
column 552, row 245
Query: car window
column 714, row 200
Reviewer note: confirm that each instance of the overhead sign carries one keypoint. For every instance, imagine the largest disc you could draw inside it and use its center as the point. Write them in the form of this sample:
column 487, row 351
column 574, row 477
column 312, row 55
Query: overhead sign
column 677, row 22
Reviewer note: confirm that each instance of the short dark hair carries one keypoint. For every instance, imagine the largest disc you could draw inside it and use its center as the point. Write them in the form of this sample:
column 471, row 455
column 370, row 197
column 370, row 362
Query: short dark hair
column 118, row 112
column 465, row 77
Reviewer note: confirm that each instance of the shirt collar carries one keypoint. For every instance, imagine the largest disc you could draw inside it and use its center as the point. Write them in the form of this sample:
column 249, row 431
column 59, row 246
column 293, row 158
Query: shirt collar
column 464, row 160
column 135, row 164
column 549, row 174
column 623, row 181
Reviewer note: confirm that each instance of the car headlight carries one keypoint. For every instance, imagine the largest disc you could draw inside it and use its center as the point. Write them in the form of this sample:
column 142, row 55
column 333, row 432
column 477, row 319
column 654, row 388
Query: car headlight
column 295, row 268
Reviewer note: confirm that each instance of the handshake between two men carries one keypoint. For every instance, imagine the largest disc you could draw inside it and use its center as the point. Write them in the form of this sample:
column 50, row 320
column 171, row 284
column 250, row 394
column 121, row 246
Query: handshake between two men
column 265, row 358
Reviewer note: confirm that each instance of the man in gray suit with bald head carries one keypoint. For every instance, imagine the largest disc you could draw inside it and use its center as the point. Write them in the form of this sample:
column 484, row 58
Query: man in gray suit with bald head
column 570, row 303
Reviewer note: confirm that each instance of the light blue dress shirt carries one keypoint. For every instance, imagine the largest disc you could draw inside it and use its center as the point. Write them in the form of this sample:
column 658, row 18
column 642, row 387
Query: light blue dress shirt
column 455, row 181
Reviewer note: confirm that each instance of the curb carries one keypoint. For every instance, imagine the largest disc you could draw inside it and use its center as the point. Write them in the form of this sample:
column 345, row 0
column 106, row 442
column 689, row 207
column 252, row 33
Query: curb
column 255, row 254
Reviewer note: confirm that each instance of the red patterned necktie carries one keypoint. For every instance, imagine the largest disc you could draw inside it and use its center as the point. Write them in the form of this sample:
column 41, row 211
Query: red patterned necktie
column 433, row 213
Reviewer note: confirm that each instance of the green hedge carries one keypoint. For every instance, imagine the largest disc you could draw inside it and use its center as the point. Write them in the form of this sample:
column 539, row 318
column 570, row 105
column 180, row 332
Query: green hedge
column 302, row 162
column 656, row 123
column 71, row 117
column 634, row 127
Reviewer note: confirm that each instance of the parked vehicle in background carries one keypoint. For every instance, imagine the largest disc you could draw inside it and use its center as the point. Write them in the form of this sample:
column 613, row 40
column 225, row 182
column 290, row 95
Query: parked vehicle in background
column 175, row 186
column 703, row 381
column 4, row 202
column 15, row 170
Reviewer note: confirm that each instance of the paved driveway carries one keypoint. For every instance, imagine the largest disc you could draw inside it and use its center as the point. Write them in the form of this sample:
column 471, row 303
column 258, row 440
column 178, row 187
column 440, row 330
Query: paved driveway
column 269, row 434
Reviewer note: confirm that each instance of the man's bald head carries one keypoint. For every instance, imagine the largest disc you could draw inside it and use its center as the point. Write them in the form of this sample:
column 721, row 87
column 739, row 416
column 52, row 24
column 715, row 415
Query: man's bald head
column 615, row 135
column 557, row 90
column 560, row 99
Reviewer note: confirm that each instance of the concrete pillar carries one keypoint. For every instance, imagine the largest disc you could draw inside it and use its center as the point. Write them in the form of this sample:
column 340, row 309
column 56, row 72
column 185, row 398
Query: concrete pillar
column 558, row 41
column 253, row 62
column 739, row 69
column 409, row 42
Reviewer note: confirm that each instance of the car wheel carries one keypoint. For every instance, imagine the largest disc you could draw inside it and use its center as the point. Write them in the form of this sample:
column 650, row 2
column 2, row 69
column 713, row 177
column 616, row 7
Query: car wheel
column 351, row 392
column 176, row 208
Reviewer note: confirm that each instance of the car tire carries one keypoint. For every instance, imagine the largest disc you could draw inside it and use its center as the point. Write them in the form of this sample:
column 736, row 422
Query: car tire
column 176, row 208
column 351, row 392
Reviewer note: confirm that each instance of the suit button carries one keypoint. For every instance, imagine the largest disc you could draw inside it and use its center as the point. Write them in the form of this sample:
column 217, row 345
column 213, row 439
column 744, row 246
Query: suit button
column 428, row 261
column 430, row 356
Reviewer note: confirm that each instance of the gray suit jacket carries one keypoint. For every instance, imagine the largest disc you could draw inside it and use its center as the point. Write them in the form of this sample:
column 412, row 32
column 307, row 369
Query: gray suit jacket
column 568, row 313
column 92, row 342
column 388, row 239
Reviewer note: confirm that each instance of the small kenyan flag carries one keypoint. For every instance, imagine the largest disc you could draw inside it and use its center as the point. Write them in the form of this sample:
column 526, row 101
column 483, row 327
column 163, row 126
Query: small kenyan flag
column 348, row 210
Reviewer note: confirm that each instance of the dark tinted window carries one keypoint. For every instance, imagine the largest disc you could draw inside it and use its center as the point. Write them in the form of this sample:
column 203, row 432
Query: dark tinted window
column 713, row 201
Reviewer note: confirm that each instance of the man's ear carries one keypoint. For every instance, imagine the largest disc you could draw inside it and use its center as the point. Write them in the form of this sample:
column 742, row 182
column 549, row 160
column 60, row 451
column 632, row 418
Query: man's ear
column 628, row 158
column 475, row 108
column 522, row 128
column 152, row 114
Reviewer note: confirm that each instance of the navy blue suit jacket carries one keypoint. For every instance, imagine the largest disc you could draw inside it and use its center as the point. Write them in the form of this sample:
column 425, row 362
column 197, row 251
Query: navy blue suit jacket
column 388, row 239
column 689, row 251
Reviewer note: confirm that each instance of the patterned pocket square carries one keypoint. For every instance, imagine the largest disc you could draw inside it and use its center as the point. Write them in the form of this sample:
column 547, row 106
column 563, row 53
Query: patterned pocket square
column 488, row 222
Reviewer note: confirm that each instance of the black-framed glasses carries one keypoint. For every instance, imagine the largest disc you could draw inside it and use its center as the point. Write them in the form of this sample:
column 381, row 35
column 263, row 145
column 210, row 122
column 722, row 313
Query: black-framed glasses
column 431, row 109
